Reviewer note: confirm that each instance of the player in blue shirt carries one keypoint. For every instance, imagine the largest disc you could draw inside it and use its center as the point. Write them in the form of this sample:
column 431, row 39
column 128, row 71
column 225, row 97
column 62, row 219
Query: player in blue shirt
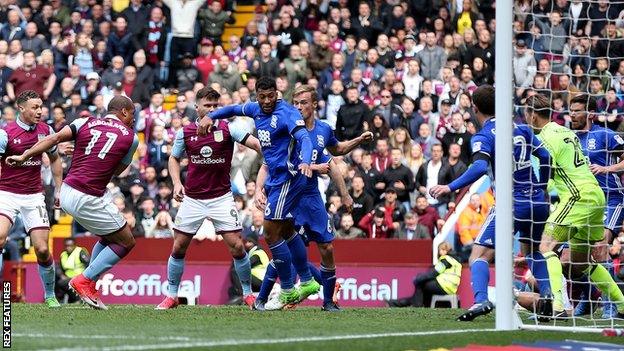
column 530, row 206
column 279, row 125
column 311, row 216
column 603, row 147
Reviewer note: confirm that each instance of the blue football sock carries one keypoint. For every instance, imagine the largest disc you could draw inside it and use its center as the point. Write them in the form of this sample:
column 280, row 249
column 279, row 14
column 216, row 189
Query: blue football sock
column 47, row 274
column 175, row 268
column 537, row 265
column 243, row 269
column 329, row 283
column 299, row 255
column 282, row 261
column 97, row 248
column 268, row 282
column 316, row 274
column 105, row 260
column 480, row 276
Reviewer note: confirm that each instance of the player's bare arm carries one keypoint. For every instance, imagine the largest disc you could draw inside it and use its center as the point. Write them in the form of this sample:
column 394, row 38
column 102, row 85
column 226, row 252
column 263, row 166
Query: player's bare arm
column 174, row 172
column 260, row 196
column 615, row 168
column 42, row 146
column 56, row 165
column 344, row 147
column 336, row 176
column 253, row 143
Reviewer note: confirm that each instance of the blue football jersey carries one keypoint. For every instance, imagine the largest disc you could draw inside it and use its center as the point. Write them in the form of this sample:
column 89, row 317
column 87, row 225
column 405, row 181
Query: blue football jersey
column 525, row 145
column 275, row 134
column 322, row 136
column 602, row 146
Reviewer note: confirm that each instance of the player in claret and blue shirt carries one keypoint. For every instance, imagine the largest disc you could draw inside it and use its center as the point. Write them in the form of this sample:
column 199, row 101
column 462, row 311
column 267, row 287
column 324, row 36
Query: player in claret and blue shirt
column 603, row 147
column 530, row 206
column 279, row 125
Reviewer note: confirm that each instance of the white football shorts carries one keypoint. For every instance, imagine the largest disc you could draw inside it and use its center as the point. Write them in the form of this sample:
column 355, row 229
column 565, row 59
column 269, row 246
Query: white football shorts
column 221, row 211
column 98, row 215
column 31, row 207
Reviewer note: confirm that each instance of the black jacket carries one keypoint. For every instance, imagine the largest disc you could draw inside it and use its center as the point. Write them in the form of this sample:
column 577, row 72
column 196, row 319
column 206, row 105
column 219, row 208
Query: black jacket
column 463, row 139
column 350, row 120
column 362, row 205
column 400, row 174
column 445, row 176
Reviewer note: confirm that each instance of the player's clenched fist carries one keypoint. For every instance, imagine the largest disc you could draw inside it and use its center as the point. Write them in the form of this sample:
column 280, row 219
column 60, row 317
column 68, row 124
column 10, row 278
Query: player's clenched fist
column 367, row 136
column 439, row 190
column 204, row 125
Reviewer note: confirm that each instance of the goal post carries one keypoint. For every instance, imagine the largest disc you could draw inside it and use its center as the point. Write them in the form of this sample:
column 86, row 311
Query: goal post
column 505, row 319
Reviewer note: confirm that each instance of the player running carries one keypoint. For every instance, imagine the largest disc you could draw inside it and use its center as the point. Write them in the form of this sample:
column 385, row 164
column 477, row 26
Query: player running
column 603, row 147
column 311, row 218
column 578, row 217
column 279, row 125
column 21, row 190
column 207, row 193
column 530, row 205
column 103, row 148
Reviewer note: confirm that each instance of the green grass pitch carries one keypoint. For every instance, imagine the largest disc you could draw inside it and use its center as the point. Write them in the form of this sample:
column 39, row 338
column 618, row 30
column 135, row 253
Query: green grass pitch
column 76, row 327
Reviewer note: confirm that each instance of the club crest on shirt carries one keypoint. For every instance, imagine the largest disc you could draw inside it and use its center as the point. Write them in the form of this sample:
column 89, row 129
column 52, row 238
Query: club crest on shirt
column 218, row 136
column 206, row 151
column 40, row 136
column 321, row 140
column 274, row 121
column 591, row 144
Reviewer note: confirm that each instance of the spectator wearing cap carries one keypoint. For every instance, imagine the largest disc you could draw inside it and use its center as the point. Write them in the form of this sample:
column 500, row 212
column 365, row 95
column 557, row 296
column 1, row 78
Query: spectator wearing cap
column 351, row 116
column 347, row 230
column 89, row 91
column 182, row 18
column 434, row 172
column 120, row 40
column 265, row 65
column 154, row 38
column 377, row 225
column 136, row 194
column 399, row 177
column 411, row 229
column 524, row 67
column 320, row 54
column 226, row 75
column 31, row 77
column 207, row 60
column 213, row 20
column 187, row 75
column 432, row 58
column 456, row 133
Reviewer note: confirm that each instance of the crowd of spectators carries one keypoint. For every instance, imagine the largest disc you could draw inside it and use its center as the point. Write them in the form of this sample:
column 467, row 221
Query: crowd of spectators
column 404, row 70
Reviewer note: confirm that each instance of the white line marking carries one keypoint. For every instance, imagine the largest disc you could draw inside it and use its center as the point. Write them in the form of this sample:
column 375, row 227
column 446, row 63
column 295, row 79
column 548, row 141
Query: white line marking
column 202, row 343
column 108, row 337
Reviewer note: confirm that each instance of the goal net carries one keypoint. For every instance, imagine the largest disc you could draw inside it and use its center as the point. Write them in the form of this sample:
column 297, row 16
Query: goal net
column 562, row 50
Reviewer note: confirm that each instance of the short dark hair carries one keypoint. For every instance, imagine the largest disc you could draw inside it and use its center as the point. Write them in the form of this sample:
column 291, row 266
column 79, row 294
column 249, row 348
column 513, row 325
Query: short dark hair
column 120, row 102
column 266, row 83
column 484, row 99
column 27, row 51
column 539, row 104
column 208, row 93
column 586, row 100
column 25, row 96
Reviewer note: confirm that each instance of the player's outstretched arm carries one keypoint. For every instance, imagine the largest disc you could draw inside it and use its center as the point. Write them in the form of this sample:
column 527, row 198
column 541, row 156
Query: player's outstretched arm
column 472, row 174
column 42, row 146
column 344, row 147
column 224, row 112
column 336, row 176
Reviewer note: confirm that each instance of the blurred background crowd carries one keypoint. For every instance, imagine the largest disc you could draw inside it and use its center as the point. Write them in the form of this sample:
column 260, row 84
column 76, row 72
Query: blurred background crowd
column 404, row 70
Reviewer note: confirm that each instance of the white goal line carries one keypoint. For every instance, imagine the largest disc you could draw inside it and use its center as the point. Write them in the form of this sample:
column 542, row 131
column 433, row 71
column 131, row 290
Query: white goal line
column 230, row 342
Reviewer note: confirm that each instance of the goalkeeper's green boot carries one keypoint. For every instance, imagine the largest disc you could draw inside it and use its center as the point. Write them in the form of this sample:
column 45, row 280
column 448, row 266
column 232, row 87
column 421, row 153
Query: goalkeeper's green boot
column 309, row 288
column 290, row 298
column 52, row 302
